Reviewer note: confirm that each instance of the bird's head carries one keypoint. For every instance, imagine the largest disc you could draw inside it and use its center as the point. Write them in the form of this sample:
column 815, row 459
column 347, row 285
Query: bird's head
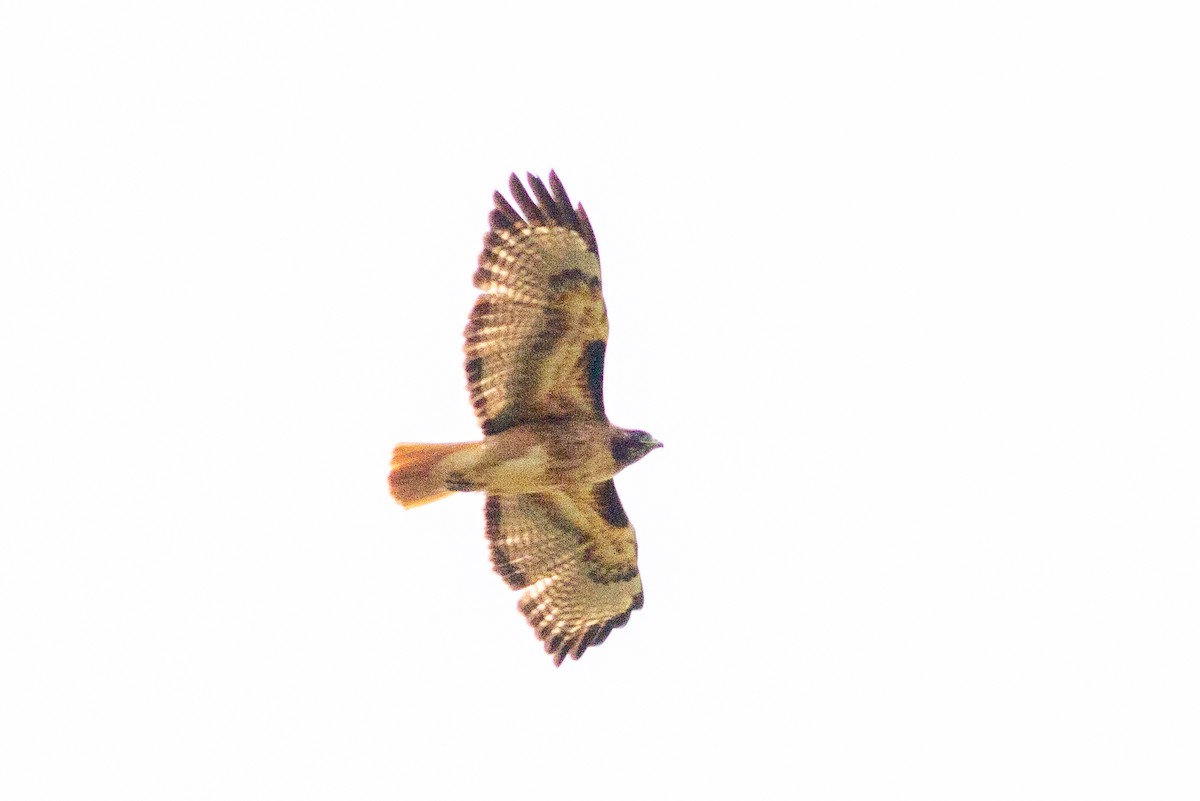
column 629, row 445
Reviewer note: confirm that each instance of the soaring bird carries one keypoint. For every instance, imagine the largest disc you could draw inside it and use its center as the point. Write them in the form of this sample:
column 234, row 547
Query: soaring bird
column 535, row 343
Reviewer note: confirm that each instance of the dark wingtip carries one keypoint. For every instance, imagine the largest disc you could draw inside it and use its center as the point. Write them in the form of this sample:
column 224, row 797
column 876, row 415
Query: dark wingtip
column 503, row 215
column 530, row 209
column 585, row 230
column 540, row 206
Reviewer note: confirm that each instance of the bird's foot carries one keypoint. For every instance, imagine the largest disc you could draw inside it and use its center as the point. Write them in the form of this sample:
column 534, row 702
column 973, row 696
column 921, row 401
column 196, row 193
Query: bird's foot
column 457, row 482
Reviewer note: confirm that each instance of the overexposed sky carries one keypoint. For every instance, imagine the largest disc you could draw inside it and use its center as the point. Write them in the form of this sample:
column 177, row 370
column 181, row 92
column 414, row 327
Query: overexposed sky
column 910, row 292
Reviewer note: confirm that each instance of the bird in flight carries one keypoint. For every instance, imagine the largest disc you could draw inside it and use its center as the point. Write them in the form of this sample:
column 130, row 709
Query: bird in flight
column 535, row 345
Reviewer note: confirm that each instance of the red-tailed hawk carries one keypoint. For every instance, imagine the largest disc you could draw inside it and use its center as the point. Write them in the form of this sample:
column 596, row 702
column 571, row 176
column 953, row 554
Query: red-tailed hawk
column 535, row 369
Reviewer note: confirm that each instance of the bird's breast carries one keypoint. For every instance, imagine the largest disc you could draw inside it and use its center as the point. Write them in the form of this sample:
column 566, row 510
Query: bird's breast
column 544, row 456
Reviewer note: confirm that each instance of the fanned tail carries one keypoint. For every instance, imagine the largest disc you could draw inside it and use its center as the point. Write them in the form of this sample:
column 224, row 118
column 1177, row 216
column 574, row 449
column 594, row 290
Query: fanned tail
column 417, row 475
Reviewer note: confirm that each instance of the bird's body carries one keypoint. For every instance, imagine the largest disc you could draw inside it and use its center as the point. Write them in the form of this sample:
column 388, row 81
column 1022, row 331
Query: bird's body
column 530, row 458
column 535, row 347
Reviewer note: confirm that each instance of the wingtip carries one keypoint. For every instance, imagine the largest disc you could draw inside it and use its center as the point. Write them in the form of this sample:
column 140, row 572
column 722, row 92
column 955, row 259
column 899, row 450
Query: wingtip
column 559, row 192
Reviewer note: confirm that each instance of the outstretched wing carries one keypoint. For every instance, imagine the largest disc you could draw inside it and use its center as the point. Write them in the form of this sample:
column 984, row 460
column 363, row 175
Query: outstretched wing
column 536, row 336
column 574, row 555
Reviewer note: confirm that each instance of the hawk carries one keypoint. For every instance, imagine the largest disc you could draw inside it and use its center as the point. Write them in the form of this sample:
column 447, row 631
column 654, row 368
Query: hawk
column 535, row 343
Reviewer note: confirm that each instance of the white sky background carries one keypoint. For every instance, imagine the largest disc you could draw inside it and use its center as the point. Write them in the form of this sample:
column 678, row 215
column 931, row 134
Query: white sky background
column 910, row 294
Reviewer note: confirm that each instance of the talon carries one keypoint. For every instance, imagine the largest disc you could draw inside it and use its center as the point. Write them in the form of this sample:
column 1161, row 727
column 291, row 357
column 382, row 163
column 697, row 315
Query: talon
column 457, row 482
